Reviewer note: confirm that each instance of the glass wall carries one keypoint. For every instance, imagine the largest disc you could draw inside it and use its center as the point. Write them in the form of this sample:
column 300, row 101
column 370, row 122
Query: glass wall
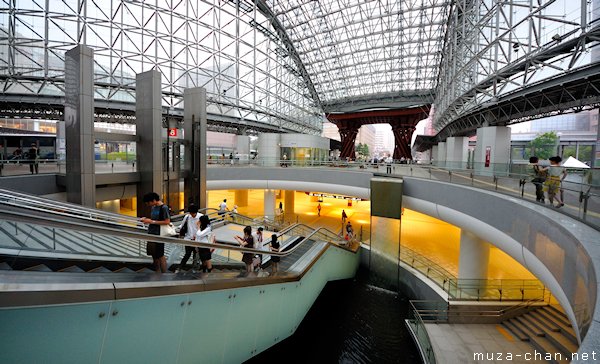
column 229, row 48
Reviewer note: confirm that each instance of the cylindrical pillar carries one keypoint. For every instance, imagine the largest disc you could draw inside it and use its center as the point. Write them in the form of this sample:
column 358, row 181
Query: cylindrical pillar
column 270, row 204
column 474, row 256
column 241, row 198
column 289, row 206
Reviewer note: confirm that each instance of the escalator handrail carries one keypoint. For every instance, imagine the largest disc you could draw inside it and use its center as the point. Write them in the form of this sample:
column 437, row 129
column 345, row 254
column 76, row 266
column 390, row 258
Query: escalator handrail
column 62, row 204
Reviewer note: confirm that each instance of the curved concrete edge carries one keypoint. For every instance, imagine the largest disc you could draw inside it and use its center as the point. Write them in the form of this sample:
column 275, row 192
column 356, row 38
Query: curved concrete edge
column 499, row 239
column 298, row 185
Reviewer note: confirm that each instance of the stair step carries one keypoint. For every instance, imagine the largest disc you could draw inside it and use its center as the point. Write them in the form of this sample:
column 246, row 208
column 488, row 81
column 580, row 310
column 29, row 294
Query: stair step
column 5, row 266
column 531, row 327
column 558, row 310
column 544, row 321
column 515, row 331
column 39, row 268
column 124, row 270
column 100, row 270
column 558, row 317
column 72, row 269
column 564, row 344
column 546, row 346
column 524, row 328
column 565, row 329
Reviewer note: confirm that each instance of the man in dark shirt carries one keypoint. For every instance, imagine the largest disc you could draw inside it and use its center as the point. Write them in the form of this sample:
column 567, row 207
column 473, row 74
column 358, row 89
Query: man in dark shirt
column 159, row 216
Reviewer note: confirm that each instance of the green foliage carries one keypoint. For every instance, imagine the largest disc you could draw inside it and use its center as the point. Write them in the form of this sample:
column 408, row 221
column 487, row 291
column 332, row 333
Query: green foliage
column 362, row 150
column 544, row 145
column 113, row 156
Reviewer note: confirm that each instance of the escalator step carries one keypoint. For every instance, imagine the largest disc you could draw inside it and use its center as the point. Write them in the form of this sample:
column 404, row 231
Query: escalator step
column 5, row 266
column 100, row 270
column 124, row 270
column 72, row 269
column 144, row 270
column 39, row 268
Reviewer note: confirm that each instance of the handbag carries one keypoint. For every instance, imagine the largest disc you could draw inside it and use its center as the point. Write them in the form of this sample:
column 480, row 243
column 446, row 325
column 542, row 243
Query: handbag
column 184, row 228
column 168, row 230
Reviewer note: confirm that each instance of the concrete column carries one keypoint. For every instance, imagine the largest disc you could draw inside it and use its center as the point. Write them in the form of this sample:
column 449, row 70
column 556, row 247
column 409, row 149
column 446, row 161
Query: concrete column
column 474, row 256
column 79, row 126
column 441, row 154
column 457, row 149
column 243, row 144
column 494, row 140
column 194, row 125
column 289, row 204
column 241, row 198
column 268, row 149
column 434, row 153
column 270, row 203
column 148, row 121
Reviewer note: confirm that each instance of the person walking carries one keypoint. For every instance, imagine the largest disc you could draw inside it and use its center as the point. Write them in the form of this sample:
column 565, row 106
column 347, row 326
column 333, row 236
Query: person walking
column 349, row 231
column 204, row 235
column 33, row 154
column 187, row 231
column 159, row 215
column 319, row 210
column 246, row 241
column 258, row 240
column 539, row 177
column 223, row 208
column 344, row 217
column 556, row 174
column 274, row 259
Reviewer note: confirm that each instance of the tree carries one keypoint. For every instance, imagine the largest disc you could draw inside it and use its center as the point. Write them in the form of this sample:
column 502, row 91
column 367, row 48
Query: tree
column 544, row 145
column 362, row 150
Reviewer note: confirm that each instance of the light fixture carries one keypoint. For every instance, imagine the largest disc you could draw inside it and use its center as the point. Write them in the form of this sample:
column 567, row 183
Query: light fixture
column 557, row 37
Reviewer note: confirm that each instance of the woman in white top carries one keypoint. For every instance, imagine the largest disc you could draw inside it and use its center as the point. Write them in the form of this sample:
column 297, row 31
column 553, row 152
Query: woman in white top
column 190, row 222
column 204, row 235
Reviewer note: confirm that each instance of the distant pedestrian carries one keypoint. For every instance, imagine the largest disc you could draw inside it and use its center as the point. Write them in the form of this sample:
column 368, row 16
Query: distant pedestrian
column 556, row 174
column 231, row 158
column 319, row 210
column 223, row 207
column 280, row 205
column 159, row 215
column 539, row 177
column 246, row 241
column 349, row 230
column 274, row 248
column 34, row 166
column 344, row 216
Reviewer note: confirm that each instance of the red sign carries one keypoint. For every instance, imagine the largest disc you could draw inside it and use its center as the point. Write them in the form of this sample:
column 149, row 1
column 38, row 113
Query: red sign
column 173, row 132
column 488, row 156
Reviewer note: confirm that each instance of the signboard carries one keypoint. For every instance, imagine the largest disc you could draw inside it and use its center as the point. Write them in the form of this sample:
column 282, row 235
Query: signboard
column 488, row 156
column 173, row 132
column 326, row 195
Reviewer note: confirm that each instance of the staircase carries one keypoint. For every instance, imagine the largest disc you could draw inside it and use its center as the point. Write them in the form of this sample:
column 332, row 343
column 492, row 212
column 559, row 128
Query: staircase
column 548, row 330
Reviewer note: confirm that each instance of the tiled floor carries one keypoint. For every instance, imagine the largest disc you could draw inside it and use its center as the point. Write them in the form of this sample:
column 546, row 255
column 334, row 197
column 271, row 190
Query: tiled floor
column 461, row 343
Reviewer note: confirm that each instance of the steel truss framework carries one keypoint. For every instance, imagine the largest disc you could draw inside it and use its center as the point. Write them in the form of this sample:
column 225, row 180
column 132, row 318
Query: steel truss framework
column 367, row 53
column 229, row 48
column 499, row 54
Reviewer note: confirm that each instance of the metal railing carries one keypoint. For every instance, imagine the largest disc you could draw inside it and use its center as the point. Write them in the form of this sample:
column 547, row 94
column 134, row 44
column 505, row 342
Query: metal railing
column 474, row 289
column 419, row 333
column 17, row 167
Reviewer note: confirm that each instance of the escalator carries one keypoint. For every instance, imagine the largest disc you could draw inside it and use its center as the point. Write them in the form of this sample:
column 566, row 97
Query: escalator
column 80, row 290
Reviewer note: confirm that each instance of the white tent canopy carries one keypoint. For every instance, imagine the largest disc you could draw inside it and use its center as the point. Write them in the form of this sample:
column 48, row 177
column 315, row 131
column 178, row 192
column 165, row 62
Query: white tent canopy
column 574, row 163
